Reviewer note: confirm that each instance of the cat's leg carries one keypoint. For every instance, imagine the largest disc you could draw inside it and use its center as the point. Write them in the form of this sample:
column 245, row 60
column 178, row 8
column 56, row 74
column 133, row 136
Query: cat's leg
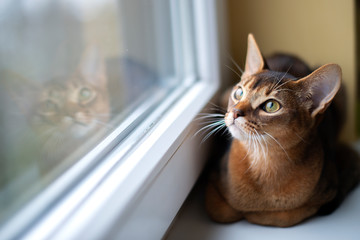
column 217, row 207
column 281, row 218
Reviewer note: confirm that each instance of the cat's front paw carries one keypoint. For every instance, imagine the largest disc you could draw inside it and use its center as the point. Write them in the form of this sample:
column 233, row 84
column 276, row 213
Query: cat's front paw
column 281, row 218
column 218, row 209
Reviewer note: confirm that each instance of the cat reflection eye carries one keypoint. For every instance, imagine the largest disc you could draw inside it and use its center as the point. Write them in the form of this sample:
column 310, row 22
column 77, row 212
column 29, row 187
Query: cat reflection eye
column 271, row 106
column 85, row 94
column 238, row 94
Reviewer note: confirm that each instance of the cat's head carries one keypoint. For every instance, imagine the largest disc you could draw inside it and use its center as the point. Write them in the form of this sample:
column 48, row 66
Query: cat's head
column 71, row 107
column 270, row 104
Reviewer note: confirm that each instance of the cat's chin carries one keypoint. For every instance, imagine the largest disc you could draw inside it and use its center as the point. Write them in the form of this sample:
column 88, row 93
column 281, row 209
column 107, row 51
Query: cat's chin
column 237, row 133
column 79, row 131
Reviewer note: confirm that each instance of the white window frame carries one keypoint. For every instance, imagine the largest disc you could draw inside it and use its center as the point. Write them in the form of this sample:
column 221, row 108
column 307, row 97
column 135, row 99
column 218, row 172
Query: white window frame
column 137, row 198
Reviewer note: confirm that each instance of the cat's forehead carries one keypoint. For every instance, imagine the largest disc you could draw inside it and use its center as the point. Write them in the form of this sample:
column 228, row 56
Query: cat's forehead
column 262, row 86
column 57, row 89
column 52, row 88
column 265, row 81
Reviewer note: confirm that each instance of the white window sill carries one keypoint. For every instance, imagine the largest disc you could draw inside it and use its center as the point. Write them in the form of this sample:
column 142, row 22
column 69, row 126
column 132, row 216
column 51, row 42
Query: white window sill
column 193, row 223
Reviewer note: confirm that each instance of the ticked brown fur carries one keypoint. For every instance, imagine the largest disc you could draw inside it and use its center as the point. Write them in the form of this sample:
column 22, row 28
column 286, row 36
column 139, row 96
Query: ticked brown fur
column 283, row 166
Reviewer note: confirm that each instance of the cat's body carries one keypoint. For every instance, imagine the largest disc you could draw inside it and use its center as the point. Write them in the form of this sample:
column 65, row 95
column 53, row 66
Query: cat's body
column 283, row 163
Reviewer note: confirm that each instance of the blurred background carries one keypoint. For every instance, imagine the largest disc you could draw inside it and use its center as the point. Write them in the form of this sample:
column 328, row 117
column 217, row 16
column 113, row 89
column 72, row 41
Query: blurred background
column 319, row 32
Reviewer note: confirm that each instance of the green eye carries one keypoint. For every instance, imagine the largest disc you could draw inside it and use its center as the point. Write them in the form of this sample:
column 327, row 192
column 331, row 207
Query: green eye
column 271, row 106
column 238, row 94
column 85, row 94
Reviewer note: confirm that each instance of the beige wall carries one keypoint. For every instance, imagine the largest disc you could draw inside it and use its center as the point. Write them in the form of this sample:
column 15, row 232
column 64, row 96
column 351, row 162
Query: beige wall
column 318, row 31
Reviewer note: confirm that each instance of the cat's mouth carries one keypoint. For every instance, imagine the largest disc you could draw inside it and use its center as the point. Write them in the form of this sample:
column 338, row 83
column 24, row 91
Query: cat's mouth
column 69, row 121
column 78, row 128
column 240, row 128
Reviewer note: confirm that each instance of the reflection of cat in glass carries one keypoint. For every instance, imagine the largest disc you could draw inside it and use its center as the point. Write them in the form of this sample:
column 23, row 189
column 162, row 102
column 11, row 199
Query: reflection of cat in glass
column 65, row 111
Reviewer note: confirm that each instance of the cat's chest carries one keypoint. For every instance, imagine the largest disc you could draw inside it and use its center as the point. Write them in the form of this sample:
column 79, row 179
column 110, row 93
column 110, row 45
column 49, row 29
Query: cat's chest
column 269, row 187
column 253, row 195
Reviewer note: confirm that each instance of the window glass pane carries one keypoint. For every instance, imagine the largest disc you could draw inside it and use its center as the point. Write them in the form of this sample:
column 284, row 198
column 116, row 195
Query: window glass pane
column 73, row 71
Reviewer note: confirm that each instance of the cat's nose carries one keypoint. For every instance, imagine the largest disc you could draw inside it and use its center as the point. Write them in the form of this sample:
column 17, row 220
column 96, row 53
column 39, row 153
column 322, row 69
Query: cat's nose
column 238, row 113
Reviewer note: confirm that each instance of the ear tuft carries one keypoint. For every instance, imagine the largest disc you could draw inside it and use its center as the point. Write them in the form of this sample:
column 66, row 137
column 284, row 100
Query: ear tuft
column 254, row 59
column 321, row 86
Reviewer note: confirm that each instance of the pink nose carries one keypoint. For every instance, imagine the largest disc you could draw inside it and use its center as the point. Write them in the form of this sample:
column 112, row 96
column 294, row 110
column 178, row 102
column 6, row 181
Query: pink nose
column 238, row 113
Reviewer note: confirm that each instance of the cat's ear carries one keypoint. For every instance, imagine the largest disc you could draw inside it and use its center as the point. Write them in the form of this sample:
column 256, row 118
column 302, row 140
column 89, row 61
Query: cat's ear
column 254, row 60
column 92, row 66
column 320, row 87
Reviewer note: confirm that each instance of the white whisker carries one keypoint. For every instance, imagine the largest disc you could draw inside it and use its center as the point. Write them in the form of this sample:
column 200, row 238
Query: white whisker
column 302, row 139
column 286, row 89
column 212, row 132
column 103, row 124
column 278, row 144
column 283, row 84
column 235, row 63
column 214, row 116
column 233, row 70
column 261, row 145
column 264, row 140
column 217, row 108
column 278, row 82
column 218, row 124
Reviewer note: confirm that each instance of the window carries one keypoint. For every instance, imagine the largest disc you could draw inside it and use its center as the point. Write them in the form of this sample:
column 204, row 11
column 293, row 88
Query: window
column 96, row 97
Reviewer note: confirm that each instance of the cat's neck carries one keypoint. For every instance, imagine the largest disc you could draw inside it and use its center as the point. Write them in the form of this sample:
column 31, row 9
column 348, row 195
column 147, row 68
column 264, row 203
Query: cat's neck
column 275, row 160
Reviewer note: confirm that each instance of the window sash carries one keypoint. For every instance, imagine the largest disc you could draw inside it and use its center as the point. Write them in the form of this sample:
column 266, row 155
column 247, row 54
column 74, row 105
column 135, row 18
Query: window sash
column 122, row 181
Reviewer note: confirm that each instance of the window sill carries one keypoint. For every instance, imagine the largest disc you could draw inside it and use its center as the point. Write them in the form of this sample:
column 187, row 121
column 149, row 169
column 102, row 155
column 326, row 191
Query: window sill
column 139, row 191
column 192, row 223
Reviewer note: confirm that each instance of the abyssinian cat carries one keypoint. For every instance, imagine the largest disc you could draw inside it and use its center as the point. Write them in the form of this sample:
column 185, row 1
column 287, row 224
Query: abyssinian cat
column 285, row 163
column 64, row 112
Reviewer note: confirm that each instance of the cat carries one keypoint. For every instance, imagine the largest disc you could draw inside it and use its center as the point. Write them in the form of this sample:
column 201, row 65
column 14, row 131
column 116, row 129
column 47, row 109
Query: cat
column 285, row 163
column 65, row 112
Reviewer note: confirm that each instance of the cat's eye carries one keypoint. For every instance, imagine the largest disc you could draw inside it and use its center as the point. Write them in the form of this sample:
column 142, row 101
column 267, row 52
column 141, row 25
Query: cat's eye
column 85, row 94
column 271, row 106
column 238, row 94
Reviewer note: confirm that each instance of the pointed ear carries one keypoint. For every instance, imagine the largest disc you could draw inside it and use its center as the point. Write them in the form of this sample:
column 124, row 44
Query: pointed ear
column 320, row 87
column 254, row 59
column 92, row 65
